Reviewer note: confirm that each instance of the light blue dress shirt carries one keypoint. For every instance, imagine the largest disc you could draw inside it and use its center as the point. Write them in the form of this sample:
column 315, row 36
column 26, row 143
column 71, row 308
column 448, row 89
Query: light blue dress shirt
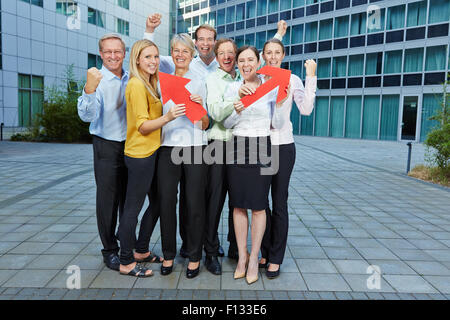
column 105, row 109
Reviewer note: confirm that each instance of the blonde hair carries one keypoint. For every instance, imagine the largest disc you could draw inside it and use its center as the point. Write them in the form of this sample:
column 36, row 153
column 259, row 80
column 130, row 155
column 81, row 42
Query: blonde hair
column 150, row 83
column 185, row 40
column 111, row 36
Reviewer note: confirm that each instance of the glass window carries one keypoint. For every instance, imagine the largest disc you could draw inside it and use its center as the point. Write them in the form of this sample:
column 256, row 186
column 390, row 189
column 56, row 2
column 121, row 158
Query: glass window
column 297, row 33
column 212, row 18
column 273, row 6
column 240, row 12
column 239, row 41
column 260, row 39
column 35, row 2
column 251, row 9
column 323, row 68
column 353, row 117
column 311, row 31
column 285, row 4
column 337, row 106
column 430, row 105
column 370, row 117
column 396, row 17
column 311, row 1
column 413, row 60
column 341, row 27
column 339, row 66
column 203, row 18
column 435, row 59
column 373, row 63
column 221, row 17
column 250, row 39
column 124, row 3
column 358, row 24
column 389, row 117
column 356, row 65
column 321, row 123
column 393, row 61
column 296, row 68
column 417, row 13
column 66, row 7
column 230, row 14
column 326, row 29
column 375, row 20
column 298, row 3
column 30, row 98
column 439, row 11
column 262, row 7
column 195, row 21
column 122, row 27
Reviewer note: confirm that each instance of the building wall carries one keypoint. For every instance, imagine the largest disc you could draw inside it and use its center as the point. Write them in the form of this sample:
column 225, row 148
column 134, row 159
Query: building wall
column 318, row 30
column 37, row 41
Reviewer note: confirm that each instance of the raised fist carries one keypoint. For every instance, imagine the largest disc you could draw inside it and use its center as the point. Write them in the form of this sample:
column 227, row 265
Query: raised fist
column 153, row 21
column 282, row 27
column 94, row 76
column 310, row 67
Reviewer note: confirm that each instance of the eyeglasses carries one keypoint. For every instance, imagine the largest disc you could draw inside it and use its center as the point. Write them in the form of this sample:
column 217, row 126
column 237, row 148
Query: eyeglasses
column 116, row 52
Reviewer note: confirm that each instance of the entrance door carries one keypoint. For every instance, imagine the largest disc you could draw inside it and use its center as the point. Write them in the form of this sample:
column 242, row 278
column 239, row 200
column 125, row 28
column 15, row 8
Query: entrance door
column 409, row 118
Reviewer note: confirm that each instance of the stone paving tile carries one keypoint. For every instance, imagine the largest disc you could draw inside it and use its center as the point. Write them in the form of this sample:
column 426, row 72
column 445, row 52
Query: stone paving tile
column 377, row 253
column 360, row 282
column 285, row 281
column 311, row 296
column 62, row 278
column 437, row 296
column 406, row 296
column 266, row 295
column 412, row 254
column 359, row 296
column 343, row 296
column 216, row 295
column 351, row 266
column 27, row 278
column 326, row 282
column 15, row 261
column 429, row 268
column 442, row 283
column 205, row 280
column 342, row 253
column 409, row 284
column 111, row 279
column 157, row 281
column 375, row 296
column 233, row 295
column 392, row 267
column 49, row 262
column 307, row 252
column 327, row 295
column 316, row 266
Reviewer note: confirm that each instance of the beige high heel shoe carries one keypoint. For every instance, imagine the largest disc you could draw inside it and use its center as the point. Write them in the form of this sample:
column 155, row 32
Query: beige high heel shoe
column 251, row 280
column 242, row 274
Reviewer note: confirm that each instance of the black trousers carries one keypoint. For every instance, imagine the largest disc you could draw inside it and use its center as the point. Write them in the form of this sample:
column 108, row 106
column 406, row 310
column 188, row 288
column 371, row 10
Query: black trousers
column 140, row 176
column 169, row 175
column 216, row 192
column 275, row 237
column 111, row 180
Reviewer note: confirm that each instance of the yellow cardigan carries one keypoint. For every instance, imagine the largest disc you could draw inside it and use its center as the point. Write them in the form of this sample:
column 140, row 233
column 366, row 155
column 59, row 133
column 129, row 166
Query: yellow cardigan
column 141, row 106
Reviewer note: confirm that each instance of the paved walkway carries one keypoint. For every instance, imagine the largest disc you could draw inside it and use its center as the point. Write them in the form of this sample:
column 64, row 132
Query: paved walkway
column 350, row 205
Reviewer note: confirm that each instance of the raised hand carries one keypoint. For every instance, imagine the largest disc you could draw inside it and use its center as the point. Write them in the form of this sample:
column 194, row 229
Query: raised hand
column 153, row 21
column 310, row 66
column 282, row 27
column 94, row 76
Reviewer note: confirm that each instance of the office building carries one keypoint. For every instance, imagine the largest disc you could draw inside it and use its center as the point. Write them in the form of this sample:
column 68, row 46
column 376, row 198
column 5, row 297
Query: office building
column 380, row 63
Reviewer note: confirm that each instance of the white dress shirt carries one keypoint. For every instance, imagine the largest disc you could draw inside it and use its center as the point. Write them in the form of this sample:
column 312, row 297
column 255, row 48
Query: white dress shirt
column 257, row 119
column 304, row 99
column 181, row 132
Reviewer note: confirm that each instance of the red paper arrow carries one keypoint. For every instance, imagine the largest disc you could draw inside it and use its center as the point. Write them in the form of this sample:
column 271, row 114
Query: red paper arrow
column 174, row 88
column 280, row 78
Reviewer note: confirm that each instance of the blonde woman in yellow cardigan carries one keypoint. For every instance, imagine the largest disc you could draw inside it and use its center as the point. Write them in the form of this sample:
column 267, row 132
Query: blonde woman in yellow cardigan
column 144, row 122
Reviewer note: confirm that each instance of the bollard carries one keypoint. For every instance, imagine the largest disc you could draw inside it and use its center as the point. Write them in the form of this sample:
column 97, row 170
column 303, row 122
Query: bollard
column 408, row 165
column 1, row 131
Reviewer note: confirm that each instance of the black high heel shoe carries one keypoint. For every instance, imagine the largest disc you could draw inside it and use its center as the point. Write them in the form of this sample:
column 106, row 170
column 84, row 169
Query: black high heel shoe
column 165, row 271
column 272, row 274
column 190, row 274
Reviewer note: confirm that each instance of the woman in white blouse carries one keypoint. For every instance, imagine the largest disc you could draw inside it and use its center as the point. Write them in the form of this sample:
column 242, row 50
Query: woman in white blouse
column 181, row 141
column 248, row 188
column 275, row 237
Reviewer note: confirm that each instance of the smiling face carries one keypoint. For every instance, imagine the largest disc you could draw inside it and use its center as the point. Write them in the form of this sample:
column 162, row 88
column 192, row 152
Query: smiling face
column 226, row 56
column 205, row 43
column 148, row 60
column 112, row 54
column 273, row 55
column 248, row 64
column 181, row 56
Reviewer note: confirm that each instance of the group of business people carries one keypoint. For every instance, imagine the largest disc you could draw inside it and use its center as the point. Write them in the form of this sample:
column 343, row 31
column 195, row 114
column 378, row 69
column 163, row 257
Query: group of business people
column 138, row 140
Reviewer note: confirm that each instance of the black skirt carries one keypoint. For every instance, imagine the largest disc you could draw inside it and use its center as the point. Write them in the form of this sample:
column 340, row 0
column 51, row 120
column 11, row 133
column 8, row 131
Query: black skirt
column 247, row 174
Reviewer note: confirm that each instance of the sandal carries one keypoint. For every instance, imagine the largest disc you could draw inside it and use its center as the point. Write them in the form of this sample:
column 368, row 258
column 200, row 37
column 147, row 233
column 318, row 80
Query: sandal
column 138, row 271
column 152, row 258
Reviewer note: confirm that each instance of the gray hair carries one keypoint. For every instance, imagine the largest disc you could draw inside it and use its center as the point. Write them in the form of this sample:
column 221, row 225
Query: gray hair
column 185, row 40
column 111, row 36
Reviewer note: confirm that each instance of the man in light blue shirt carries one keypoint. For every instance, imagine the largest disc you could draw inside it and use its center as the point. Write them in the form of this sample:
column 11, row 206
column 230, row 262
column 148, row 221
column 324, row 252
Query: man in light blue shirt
column 103, row 105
